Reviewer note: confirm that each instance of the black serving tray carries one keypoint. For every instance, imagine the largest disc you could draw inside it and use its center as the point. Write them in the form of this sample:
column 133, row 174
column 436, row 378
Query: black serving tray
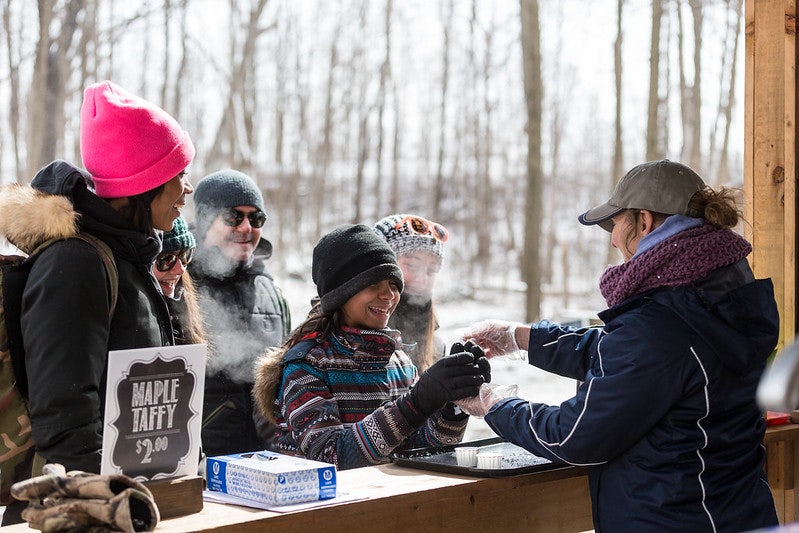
column 516, row 460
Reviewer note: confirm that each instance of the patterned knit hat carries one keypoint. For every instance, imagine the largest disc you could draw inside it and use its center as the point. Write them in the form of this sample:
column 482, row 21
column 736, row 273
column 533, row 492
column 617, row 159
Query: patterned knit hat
column 179, row 237
column 222, row 190
column 129, row 145
column 410, row 233
column 349, row 259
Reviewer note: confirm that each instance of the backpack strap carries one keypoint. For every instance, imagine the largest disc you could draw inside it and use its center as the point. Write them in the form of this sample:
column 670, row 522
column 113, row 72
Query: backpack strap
column 110, row 266
column 105, row 254
column 13, row 285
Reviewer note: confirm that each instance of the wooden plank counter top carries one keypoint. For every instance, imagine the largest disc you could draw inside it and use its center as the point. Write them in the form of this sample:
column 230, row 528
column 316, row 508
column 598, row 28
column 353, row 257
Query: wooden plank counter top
column 399, row 499
column 391, row 498
column 402, row 499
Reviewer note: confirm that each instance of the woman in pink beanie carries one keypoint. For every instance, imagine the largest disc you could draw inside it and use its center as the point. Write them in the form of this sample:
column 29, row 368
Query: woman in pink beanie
column 72, row 311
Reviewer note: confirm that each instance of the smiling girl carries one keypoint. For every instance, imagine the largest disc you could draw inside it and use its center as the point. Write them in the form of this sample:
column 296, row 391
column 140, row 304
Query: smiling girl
column 340, row 389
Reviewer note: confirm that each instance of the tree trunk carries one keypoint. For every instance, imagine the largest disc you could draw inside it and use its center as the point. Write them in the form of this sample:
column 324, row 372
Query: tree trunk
column 653, row 149
column 618, row 145
column 533, row 96
column 438, row 189
column 14, row 100
column 47, row 98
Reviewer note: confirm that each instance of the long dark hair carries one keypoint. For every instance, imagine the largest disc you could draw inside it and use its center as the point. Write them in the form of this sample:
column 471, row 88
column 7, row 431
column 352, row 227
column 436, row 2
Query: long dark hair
column 138, row 213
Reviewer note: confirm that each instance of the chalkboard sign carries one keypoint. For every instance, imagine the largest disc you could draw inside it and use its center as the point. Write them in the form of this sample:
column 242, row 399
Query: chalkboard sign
column 153, row 411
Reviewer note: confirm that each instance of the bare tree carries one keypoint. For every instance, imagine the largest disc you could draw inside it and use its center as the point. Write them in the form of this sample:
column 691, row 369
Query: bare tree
column 653, row 149
column 438, row 190
column 46, row 99
column 533, row 91
column 231, row 146
column 618, row 145
column 13, row 54
column 385, row 80
column 726, row 100
column 691, row 93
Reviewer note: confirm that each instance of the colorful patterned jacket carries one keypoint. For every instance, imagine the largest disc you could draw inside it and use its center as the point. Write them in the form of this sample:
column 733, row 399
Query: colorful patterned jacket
column 342, row 400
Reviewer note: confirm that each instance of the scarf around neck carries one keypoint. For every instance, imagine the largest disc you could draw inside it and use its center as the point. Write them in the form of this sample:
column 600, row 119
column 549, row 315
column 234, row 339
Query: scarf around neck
column 679, row 260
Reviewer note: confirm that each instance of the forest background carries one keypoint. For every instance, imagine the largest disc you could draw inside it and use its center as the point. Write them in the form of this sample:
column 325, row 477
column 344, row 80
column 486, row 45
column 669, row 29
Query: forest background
column 501, row 119
column 348, row 110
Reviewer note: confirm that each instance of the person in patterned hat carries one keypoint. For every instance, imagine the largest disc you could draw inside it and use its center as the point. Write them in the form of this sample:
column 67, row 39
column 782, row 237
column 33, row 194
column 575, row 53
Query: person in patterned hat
column 419, row 246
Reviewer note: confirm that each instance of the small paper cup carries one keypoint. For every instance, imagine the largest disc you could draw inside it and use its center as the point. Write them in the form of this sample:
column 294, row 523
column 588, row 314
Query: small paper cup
column 489, row 460
column 466, row 455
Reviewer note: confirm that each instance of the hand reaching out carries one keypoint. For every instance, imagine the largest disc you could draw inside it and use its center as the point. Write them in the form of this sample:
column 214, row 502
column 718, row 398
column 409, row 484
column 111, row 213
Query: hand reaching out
column 497, row 337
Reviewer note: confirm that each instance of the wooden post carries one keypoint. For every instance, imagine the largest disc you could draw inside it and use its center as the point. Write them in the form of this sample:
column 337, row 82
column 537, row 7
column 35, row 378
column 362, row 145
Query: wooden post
column 770, row 150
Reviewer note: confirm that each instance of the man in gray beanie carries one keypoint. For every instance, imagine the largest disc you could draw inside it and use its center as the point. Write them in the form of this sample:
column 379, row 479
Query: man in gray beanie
column 245, row 312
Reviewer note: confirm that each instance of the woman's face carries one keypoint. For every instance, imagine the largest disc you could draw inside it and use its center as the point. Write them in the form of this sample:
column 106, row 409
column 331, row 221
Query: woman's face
column 165, row 207
column 174, row 265
column 371, row 307
column 419, row 271
column 625, row 235
column 168, row 279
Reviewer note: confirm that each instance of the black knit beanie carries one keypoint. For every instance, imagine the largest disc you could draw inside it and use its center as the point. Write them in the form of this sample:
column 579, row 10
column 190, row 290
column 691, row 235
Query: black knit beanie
column 222, row 190
column 349, row 259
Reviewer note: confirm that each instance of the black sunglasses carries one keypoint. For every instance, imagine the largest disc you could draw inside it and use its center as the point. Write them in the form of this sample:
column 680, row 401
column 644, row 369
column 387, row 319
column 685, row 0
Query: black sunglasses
column 234, row 217
column 165, row 261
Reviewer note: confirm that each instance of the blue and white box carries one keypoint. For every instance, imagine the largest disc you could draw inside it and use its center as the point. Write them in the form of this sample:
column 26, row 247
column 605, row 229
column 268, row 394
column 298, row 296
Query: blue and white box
column 271, row 478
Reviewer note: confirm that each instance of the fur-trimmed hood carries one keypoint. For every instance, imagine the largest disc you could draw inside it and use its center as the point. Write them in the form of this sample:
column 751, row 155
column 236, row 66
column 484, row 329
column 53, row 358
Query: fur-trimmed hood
column 59, row 202
column 29, row 217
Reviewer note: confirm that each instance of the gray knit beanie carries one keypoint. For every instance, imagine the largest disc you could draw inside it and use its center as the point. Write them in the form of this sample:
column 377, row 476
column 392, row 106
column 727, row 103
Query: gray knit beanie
column 349, row 259
column 222, row 190
column 179, row 237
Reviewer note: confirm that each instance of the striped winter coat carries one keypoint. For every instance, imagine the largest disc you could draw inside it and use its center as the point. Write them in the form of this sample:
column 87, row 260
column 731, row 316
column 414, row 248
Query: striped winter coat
column 338, row 400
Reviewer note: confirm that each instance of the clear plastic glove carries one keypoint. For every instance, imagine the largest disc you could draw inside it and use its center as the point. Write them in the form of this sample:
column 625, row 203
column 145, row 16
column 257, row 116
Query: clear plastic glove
column 488, row 396
column 496, row 337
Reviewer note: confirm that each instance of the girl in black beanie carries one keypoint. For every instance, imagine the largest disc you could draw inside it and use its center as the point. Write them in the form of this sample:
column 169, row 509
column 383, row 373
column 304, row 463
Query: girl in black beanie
column 340, row 389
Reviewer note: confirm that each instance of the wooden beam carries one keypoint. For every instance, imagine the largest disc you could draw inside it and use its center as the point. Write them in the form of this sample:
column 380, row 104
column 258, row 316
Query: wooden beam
column 770, row 151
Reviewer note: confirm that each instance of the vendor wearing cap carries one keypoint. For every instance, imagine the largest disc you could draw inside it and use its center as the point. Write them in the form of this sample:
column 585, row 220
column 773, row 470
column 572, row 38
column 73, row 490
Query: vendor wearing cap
column 665, row 418
column 244, row 310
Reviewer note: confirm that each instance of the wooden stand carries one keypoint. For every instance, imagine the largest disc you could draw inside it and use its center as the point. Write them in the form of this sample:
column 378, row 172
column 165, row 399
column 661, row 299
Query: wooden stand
column 177, row 496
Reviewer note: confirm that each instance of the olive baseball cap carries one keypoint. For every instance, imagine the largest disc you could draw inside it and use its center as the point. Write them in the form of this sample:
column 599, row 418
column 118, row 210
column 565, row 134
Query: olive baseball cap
column 659, row 186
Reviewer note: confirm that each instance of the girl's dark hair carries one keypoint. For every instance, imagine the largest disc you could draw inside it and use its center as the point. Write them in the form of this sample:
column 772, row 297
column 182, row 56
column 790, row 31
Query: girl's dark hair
column 193, row 328
column 137, row 212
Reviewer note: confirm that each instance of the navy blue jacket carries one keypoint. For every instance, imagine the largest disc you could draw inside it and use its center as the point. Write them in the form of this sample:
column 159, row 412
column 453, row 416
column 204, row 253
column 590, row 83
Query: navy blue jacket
column 665, row 420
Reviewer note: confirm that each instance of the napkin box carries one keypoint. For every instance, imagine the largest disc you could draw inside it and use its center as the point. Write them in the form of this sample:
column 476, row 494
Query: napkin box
column 271, row 478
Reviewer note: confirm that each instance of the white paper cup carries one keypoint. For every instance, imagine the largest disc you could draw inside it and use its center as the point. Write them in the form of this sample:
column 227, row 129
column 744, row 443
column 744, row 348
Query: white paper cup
column 489, row 460
column 466, row 455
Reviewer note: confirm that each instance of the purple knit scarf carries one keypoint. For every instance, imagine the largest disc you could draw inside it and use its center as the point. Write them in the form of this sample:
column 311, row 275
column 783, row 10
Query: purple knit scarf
column 679, row 260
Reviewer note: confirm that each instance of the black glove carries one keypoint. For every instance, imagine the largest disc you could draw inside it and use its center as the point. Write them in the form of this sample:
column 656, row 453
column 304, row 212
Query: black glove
column 450, row 378
column 479, row 357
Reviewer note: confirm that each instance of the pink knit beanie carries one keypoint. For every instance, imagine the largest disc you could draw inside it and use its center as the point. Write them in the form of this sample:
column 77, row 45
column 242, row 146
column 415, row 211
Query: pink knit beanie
column 128, row 144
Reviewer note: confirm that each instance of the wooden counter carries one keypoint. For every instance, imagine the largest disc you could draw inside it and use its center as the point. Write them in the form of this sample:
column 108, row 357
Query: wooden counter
column 398, row 499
